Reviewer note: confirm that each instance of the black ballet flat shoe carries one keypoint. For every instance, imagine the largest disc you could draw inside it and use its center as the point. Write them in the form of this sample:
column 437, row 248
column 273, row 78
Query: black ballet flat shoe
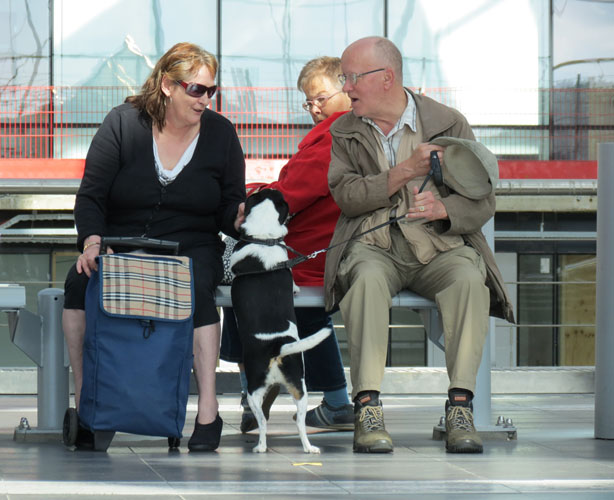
column 206, row 437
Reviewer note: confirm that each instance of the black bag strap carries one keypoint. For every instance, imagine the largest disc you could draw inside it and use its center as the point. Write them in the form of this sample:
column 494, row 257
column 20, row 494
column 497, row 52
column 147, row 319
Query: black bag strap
column 160, row 246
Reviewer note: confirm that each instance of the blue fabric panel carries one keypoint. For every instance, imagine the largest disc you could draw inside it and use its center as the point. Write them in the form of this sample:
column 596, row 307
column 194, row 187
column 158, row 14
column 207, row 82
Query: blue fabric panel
column 135, row 379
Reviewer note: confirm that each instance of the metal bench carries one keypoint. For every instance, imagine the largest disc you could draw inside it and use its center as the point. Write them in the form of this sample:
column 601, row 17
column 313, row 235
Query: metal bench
column 313, row 296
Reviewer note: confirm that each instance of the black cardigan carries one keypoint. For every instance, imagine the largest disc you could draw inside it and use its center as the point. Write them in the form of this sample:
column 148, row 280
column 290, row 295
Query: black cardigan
column 120, row 194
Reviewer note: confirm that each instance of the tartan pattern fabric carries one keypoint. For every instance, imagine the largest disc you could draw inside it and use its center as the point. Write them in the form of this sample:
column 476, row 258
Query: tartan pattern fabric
column 146, row 286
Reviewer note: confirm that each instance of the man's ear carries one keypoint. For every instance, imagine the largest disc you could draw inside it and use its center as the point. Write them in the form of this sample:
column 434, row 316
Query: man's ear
column 389, row 78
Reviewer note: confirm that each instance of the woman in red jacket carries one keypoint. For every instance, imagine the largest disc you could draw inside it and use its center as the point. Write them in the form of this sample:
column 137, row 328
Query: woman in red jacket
column 303, row 182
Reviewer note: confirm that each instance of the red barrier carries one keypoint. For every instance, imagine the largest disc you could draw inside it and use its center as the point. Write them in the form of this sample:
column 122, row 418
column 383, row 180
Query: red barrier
column 268, row 170
column 556, row 169
column 41, row 168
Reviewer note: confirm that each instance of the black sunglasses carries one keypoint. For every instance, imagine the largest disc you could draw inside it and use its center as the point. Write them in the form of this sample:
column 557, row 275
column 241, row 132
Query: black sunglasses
column 197, row 90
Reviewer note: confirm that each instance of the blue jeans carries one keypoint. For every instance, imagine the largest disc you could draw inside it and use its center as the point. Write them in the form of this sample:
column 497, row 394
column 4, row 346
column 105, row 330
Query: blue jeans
column 323, row 364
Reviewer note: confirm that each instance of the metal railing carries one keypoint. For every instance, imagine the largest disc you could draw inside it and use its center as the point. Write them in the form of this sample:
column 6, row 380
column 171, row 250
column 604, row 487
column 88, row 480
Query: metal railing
column 565, row 124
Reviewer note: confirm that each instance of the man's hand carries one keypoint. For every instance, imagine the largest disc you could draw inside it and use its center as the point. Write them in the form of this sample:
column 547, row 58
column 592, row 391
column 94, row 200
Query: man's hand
column 417, row 165
column 426, row 206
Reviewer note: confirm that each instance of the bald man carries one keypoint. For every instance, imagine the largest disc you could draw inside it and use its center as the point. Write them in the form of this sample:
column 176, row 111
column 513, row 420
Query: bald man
column 380, row 156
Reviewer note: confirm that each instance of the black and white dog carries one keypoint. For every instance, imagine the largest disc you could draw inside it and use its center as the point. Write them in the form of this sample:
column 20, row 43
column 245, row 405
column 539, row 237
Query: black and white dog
column 262, row 298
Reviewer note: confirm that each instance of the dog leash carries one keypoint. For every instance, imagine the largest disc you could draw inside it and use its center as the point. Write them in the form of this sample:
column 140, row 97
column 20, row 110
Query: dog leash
column 375, row 228
column 290, row 263
column 435, row 173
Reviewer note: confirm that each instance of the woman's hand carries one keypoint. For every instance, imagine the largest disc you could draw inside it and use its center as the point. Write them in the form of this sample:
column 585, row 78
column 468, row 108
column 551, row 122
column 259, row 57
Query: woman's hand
column 240, row 216
column 86, row 262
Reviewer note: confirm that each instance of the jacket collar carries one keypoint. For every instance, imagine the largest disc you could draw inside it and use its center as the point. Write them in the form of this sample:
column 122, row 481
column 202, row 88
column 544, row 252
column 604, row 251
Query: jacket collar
column 314, row 134
column 434, row 116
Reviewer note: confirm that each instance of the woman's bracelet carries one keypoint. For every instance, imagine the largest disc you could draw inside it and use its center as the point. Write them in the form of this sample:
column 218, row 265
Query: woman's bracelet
column 85, row 247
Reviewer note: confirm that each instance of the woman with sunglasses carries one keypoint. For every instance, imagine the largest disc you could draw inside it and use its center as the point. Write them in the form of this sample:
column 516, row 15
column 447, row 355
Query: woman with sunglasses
column 164, row 166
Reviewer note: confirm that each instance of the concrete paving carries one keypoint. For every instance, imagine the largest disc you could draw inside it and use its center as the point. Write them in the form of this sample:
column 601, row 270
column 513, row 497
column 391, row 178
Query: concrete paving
column 555, row 456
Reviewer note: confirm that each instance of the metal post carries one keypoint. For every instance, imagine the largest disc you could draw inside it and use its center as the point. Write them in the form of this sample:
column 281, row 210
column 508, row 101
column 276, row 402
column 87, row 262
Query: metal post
column 41, row 338
column 481, row 401
column 604, row 337
column 482, row 409
column 52, row 374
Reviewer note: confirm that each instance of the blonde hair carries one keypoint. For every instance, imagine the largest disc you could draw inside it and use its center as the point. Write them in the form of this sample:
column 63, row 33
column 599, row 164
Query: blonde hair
column 325, row 65
column 180, row 62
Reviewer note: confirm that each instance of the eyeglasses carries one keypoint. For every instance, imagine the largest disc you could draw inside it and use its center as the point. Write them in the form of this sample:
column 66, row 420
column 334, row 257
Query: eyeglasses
column 353, row 77
column 196, row 89
column 319, row 101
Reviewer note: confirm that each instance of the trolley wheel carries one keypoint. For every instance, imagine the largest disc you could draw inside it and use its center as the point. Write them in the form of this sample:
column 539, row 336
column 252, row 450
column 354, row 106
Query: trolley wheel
column 70, row 428
column 173, row 443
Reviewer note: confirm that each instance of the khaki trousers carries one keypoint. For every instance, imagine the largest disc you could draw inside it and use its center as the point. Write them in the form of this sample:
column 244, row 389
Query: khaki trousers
column 370, row 276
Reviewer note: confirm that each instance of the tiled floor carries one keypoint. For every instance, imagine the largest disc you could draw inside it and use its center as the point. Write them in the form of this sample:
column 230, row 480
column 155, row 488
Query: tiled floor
column 555, row 457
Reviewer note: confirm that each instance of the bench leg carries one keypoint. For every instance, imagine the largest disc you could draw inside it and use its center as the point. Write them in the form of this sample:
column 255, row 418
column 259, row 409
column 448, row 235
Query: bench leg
column 482, row 397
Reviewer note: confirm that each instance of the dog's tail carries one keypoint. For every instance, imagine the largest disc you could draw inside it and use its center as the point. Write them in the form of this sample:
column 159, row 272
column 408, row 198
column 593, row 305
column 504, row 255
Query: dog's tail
column 305, row 344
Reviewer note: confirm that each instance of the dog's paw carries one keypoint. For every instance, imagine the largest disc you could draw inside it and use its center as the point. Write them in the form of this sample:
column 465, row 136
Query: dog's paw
column 295, row 288
column 312, row 449
column 259, row 449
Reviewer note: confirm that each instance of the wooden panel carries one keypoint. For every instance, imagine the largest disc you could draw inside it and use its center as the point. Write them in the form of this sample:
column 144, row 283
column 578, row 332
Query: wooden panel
column 577, row 305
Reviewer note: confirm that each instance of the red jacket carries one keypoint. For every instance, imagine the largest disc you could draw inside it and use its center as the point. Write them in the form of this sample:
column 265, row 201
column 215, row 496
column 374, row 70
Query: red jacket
column 304, row 183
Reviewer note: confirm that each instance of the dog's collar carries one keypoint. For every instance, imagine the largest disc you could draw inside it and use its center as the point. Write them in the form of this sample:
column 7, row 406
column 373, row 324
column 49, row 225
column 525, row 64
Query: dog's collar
column 287, row 264
column 280, row 243
column 270, row 242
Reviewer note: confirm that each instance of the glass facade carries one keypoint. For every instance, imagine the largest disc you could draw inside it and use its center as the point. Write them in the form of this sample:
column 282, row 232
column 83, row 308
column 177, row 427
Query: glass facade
column 444, row 43
column 25, row 39
column 117, row 42
column 466, row 54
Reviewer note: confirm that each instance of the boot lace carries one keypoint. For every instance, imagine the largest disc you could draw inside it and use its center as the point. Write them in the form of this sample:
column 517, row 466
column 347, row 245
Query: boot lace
column 461, row 418
column 372, row 418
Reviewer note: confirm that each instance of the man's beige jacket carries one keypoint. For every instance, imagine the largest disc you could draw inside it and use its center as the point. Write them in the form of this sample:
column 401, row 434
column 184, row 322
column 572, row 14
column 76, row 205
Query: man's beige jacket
column 359, row 187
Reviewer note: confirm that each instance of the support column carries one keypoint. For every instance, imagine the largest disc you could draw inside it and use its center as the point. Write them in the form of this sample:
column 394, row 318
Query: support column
column 604, row 337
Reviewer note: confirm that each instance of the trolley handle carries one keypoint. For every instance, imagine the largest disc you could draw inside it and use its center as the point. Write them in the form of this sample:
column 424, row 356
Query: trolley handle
column 165, row 246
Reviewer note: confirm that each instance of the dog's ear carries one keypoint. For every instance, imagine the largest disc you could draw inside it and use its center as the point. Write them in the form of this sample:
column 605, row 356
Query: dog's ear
column 282, row 207
column 252, row 199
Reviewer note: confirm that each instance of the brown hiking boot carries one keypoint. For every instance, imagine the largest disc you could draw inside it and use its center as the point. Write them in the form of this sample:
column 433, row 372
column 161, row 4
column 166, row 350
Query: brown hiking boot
column 370, row 434
column 461, row 436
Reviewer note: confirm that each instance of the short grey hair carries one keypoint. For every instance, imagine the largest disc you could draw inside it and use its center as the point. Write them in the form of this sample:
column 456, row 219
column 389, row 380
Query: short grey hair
column 390, row 55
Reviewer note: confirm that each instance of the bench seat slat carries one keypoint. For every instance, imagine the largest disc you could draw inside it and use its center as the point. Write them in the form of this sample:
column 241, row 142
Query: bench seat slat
column 313, row 296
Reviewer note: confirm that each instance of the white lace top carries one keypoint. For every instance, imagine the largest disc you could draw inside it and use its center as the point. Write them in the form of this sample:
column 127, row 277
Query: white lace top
column 168, row 176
